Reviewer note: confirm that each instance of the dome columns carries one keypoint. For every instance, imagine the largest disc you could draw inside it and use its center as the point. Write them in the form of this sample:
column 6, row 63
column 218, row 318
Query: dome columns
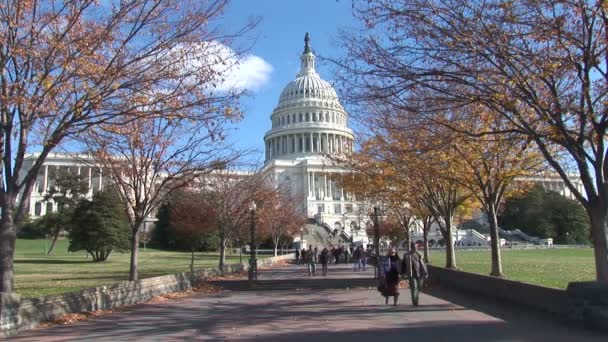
column 308, row 143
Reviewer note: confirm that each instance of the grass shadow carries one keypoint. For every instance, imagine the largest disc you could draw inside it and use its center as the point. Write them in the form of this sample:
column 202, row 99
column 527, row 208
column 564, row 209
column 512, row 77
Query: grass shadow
column 52, row 262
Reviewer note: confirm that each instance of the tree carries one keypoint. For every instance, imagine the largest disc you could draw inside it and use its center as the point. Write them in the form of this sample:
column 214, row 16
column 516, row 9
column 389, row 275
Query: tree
column 227, row 195
column 67, row 192
column 150, row 158
column 280, row 216
column 488, row 166
column 535, row 63
column 546, row 214
column 99, row 226
column 70, row 65
column 191, row 221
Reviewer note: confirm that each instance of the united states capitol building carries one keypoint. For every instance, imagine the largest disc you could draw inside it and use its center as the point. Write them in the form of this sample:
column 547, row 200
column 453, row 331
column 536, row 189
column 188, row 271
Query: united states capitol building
column 308, row 126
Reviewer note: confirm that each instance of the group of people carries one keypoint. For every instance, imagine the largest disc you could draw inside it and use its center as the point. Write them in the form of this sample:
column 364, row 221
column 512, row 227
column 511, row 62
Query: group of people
column 392, row 268
column 311, row 257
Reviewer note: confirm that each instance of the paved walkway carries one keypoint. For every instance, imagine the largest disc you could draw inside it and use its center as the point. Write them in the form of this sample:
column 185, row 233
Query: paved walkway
column 313, row 315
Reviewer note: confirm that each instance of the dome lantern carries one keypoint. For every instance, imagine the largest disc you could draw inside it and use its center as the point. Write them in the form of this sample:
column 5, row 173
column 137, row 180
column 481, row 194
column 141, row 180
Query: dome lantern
column 308, row 58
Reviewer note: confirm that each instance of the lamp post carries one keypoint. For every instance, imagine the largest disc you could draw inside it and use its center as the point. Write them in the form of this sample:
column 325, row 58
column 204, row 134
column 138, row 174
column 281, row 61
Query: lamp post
column 377, row 240
column 253, row 263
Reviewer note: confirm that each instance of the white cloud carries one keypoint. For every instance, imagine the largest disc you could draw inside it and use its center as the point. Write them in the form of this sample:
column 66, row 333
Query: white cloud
column 232, row 69
column 251, row 74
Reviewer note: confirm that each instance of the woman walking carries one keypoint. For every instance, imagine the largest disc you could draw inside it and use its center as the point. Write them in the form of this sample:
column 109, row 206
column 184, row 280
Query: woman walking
column 389, row 276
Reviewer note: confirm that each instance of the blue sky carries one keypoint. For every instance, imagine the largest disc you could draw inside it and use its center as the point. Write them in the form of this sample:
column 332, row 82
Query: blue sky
column 280, row 41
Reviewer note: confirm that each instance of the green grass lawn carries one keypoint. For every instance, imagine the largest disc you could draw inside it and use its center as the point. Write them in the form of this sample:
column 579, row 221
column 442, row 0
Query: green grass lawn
column 547, row 267
column 37, row 274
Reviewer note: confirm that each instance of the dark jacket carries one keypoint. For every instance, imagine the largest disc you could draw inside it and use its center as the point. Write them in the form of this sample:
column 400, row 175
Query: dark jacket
column 414, row 266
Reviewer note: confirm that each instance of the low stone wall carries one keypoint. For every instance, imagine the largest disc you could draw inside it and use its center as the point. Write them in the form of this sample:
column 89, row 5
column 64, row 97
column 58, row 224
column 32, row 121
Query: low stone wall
column 585, row 303
column 18, row 314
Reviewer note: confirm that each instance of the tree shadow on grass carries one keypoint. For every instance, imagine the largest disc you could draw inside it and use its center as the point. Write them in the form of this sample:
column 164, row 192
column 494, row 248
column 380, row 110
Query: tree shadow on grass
column 53, row 261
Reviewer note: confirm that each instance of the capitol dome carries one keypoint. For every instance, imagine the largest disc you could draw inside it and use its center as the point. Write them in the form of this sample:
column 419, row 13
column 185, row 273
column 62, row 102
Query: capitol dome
column 308, row 119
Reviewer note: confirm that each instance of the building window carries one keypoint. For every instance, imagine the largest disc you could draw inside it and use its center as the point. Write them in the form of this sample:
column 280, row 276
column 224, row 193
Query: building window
column 49, row 207
column 349, row 208
column 320, row 208
column 37, row 209
column 337, row 209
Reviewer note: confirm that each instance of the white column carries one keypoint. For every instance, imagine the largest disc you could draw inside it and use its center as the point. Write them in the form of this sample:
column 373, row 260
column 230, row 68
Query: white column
column 90, row 178
column 100, row 177
column 312, row 146
column 314, row 186
column 46, row 178
column 309, row 183
column 325, row 191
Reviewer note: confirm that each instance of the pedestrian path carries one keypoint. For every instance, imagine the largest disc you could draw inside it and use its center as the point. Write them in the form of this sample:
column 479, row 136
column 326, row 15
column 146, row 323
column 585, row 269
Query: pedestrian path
column 308, row 314
column 292, row 271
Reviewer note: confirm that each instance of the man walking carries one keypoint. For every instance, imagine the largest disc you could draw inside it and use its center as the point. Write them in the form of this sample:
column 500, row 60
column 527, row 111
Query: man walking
column 297, row 256
column 324, row 259
column 357, row 259
column 310, row 261
column 415, row 269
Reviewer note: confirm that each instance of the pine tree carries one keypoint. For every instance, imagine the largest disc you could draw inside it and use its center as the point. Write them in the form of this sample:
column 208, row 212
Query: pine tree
column 99, row 226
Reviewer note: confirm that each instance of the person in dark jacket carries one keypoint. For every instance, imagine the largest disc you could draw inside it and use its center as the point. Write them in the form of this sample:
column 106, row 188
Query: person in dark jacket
column 324, row 259
column 297, row 256
column 310, row 261
column 389, row 274
column 415, row 269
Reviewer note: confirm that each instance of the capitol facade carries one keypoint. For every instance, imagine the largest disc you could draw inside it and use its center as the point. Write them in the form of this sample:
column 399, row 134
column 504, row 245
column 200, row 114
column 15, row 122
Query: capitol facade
column 308, row 126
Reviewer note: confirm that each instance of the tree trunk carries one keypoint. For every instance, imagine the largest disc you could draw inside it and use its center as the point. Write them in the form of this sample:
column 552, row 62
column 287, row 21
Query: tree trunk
column 450, row 254
column 222, row 255
column 276, row 248
column 53, row 241
column 134, row 255
column 192, row 262
column 598, row 217
column 494, row 242
column 8, row 236
column 425, row 239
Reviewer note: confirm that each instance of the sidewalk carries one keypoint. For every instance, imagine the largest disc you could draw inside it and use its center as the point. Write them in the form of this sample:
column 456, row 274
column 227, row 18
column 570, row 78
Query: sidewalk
column 317, row 315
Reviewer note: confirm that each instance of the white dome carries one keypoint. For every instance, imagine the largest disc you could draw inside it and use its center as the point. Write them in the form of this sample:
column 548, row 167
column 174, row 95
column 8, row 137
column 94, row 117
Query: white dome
column 308, row 120
column 308, row 85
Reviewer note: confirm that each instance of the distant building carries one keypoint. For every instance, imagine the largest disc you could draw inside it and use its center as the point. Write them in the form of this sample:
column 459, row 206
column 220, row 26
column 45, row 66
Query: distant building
column 552, row 181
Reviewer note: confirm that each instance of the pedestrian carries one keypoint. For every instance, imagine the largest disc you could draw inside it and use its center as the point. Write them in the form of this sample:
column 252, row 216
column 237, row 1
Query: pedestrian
column 337, row 253
column 297, row 256
column 389, row 276
column 347, row 255
column 310, row 261
column 357, row 259
column 415, row 270
column 316, row 254
column 364, row 256
column 303, row 255
column 324, row 259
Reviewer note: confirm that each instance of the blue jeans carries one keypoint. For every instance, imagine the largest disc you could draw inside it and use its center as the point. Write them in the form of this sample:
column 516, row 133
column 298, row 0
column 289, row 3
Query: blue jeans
column 312, row 267
column 357, row 264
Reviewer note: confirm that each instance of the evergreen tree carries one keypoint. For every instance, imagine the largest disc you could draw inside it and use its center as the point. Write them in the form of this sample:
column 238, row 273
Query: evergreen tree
column 99, row 226
column 547, row 214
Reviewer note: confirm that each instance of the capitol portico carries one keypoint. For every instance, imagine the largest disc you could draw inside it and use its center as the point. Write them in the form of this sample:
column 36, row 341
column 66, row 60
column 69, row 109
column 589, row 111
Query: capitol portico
column 308, row 126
